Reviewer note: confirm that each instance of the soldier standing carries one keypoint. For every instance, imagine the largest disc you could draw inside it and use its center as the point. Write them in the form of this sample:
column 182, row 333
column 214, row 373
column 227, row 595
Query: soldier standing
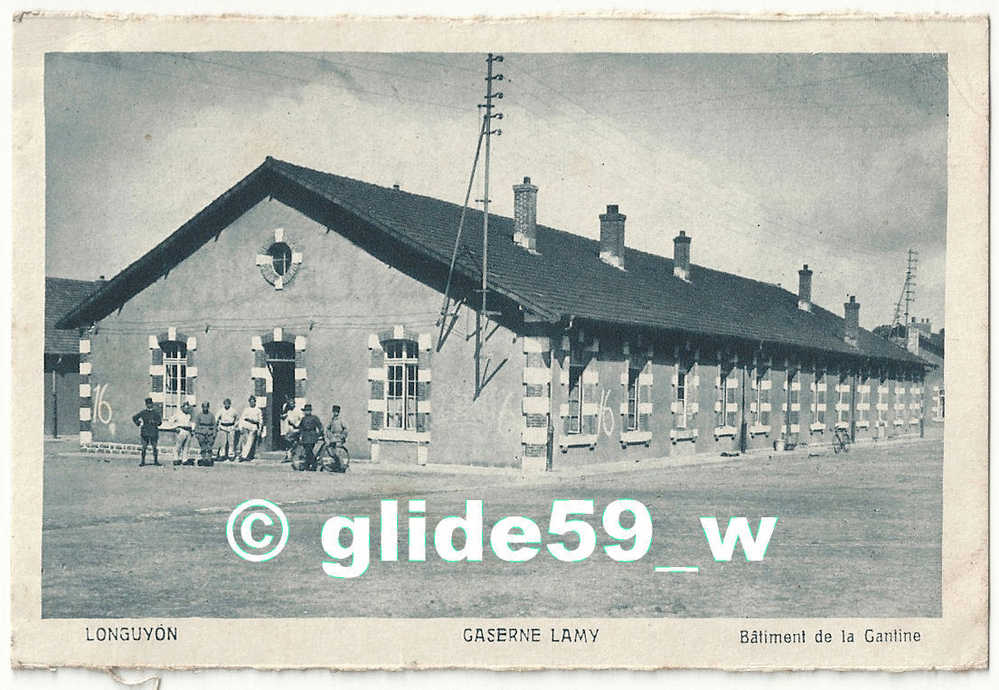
column 148, row 421
column 311, row 431
column 183, row 425
column 204, row 431
column 250, row 423
column 225, row 439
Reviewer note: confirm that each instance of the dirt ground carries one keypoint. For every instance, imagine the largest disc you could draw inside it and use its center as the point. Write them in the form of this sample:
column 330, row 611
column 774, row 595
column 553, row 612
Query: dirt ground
column 858, row 535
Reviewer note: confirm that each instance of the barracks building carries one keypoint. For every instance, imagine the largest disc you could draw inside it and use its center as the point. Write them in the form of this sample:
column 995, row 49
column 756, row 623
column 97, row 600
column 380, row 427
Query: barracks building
column 299, row 283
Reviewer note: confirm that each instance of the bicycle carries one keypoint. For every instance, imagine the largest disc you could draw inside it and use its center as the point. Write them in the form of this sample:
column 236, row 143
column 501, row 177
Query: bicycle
column 329, row 457
column 333, row 457
column 841, row 442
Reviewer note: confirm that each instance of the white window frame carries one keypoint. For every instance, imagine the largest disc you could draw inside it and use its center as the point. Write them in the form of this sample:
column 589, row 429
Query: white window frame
column 723, row 394
column 762, row 396
column 682, row 388
column 843, row 404
column 174, row 376
column 901, row 411
column 577, row 364
column 820, row 401
column 862, row 411
column 401, row 356
column 793, row 399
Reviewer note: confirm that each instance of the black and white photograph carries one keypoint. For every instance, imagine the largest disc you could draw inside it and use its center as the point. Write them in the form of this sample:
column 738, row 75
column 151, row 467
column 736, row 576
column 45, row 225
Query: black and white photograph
column 522, row 339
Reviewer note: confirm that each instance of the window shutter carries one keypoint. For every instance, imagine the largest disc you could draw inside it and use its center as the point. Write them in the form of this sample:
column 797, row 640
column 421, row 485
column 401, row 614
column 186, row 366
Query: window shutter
column 192, row 372
column 377, row 387
column 423, row 395
column 644, row 399
column 590, row 395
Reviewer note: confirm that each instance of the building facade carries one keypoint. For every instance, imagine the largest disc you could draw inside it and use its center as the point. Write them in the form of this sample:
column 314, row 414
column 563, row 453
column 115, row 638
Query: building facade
column 62, row 361
column 301, row 284
column 920, row 340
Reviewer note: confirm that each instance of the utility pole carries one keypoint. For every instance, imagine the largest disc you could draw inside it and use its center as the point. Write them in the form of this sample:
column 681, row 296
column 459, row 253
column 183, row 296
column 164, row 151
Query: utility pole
column 487, row 119
column 910, row 281
column 489, row 116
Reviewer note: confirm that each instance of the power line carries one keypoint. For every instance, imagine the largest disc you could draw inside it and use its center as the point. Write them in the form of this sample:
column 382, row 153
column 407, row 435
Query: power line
column 243, row 87
column 441, row 64
column 177, row 77
column 281, row 75
column 347, row 65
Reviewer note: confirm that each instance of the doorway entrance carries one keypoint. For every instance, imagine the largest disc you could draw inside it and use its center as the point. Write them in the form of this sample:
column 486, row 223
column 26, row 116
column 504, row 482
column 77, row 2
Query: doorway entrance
column 281, row 366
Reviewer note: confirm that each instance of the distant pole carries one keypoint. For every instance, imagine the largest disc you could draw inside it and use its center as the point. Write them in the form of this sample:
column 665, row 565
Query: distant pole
column 910, row 282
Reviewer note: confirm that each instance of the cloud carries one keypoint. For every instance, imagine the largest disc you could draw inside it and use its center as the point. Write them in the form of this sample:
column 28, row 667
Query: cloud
column 767, row 161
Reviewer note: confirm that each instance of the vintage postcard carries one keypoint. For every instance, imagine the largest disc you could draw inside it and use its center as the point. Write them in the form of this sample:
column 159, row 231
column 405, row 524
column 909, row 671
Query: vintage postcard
column 500, row 344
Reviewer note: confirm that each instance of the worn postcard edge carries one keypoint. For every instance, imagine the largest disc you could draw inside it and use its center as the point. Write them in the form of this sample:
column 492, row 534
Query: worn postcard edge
column 960, row 635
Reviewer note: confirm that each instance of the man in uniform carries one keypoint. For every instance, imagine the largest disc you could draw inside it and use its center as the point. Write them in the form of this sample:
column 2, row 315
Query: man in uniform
column 204, row 431
column 225, row 438
column 182, row 423
column 336, row 435
column 250, row 423
column 310, row 432
column 148, row 421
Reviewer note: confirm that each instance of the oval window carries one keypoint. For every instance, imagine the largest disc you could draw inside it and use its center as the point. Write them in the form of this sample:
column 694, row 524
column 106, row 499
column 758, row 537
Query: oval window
column 280, row 254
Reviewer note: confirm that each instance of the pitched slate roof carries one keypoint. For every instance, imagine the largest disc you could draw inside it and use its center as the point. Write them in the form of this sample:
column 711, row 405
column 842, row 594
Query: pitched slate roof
column 61, row 296
column 934, row 342
column 565, row 279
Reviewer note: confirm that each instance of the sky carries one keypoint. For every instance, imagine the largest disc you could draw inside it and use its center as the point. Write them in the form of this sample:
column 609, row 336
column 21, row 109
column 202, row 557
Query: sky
column 838, row 161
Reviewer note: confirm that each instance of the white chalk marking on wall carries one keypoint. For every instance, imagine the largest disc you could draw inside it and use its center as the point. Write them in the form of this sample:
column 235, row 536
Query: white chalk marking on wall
column 101, row 406
column 606, row 414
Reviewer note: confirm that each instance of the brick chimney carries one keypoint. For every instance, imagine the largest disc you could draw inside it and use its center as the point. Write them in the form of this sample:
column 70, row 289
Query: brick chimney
column 525, row 215
column 805, row 288
column 851, row 321
column 612, row 237
column 681, row 256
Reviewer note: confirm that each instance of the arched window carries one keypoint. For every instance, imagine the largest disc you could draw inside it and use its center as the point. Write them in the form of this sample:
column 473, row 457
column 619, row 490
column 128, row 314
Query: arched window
column 402, row 366
column 174, row 376
column 280, row 254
